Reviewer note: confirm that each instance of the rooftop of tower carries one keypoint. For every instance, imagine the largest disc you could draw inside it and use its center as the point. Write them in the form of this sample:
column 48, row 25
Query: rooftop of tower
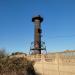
column 38, row 18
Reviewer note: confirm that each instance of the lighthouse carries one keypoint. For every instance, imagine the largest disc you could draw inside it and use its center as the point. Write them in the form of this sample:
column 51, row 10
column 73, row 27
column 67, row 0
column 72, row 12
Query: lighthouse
column 37, row 44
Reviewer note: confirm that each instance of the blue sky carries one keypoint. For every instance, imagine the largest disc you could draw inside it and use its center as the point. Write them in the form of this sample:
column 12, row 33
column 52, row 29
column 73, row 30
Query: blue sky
column 17, row 30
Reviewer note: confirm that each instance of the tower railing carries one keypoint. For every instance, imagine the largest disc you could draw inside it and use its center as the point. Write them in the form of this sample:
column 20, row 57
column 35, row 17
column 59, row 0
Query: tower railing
column 43, row 47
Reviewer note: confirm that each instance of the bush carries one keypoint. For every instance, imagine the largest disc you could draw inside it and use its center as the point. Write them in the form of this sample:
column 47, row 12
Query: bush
column 16, row 66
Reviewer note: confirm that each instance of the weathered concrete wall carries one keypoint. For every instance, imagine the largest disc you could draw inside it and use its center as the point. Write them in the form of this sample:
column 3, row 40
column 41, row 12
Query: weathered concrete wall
column 58, row 64
column 46, row 68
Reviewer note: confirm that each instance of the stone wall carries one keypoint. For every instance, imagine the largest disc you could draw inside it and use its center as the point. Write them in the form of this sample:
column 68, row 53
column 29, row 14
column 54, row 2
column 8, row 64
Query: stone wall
column 55, row 63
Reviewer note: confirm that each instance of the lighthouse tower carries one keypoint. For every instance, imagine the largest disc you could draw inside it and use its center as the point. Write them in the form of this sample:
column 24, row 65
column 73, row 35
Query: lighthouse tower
column 37, row 46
